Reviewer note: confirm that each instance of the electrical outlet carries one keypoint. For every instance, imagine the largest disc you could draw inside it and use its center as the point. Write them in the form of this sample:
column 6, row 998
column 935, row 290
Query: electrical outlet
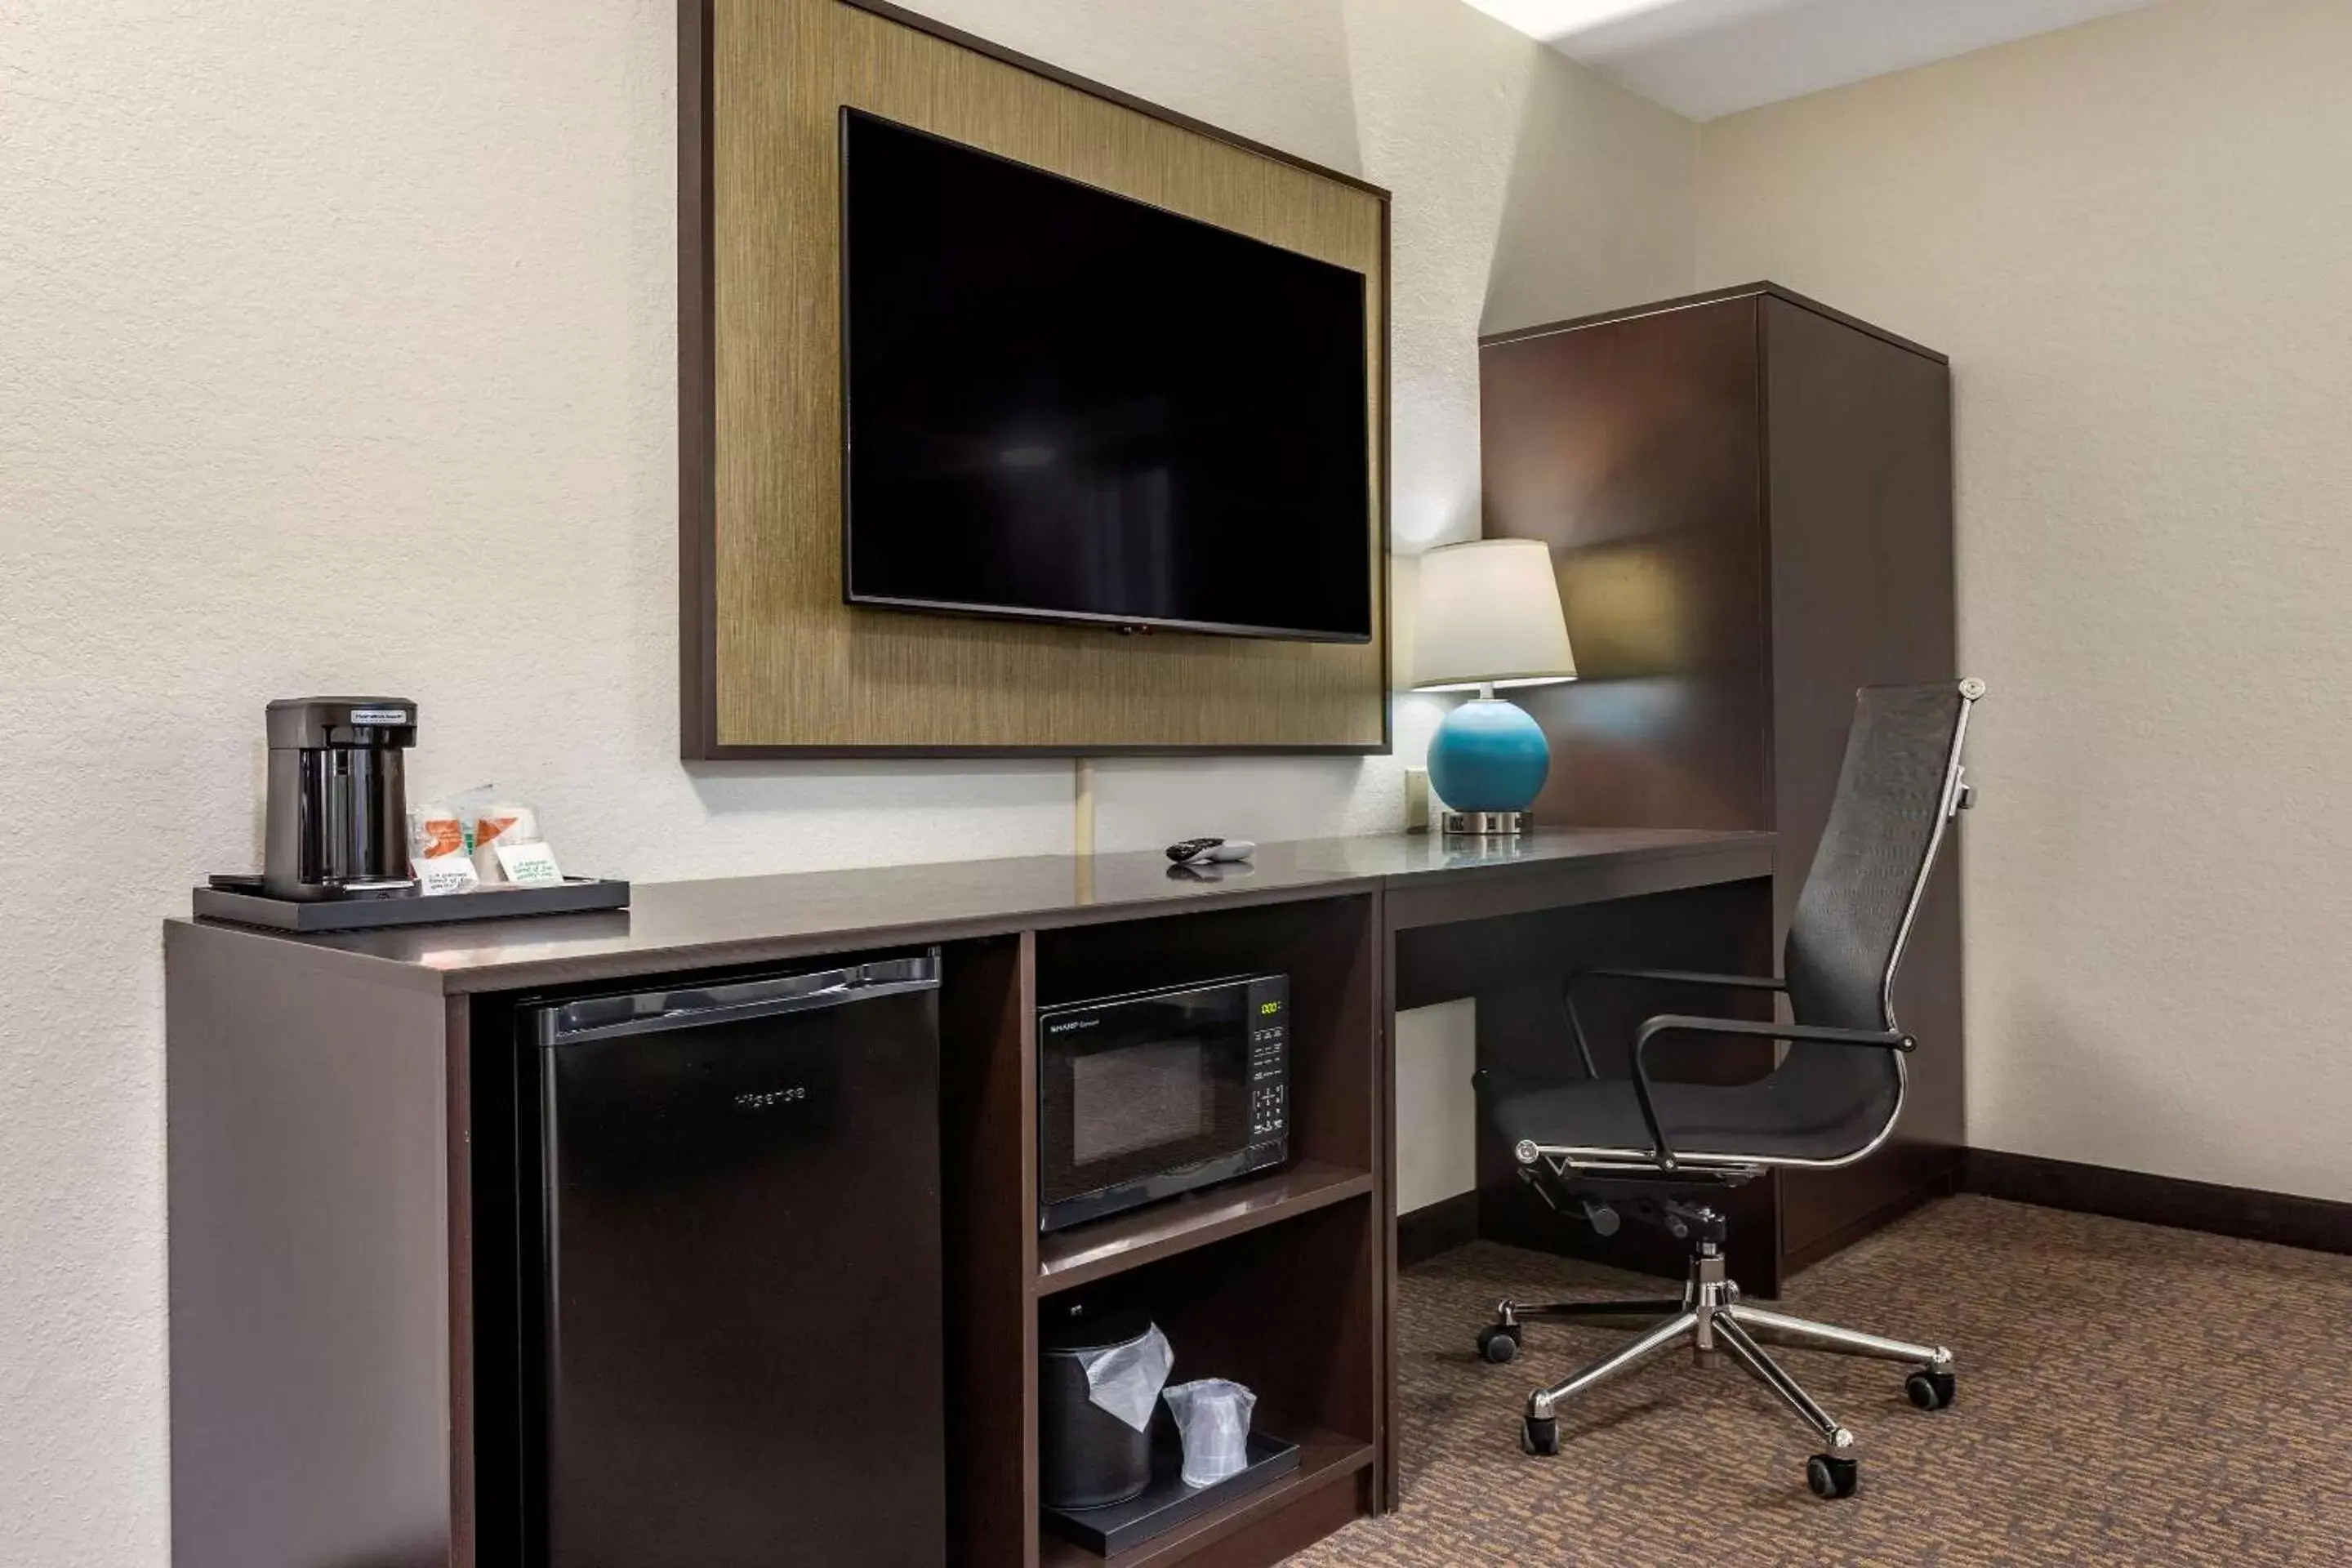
column 1416, row 800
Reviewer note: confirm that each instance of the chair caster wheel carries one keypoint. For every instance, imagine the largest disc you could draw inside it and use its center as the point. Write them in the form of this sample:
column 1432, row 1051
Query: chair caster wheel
column 1931, row 1390
column 1539, row 1436
column 1831, row 1476
column 1498, row 1343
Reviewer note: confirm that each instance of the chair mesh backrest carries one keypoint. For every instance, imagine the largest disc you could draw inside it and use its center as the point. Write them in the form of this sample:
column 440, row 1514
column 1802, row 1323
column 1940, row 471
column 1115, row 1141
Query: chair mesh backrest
column 1848, row 929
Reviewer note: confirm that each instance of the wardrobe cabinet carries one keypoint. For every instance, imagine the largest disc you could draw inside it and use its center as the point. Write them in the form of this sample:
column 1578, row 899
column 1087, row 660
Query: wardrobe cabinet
column 1748, row 501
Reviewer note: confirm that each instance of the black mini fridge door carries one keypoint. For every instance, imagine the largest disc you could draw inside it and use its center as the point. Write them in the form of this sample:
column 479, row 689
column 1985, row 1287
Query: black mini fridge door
column 739, row 1275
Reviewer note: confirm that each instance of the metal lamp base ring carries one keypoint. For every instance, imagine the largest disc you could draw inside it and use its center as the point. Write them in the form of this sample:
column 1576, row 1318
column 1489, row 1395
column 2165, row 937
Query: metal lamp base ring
column 1485, row 824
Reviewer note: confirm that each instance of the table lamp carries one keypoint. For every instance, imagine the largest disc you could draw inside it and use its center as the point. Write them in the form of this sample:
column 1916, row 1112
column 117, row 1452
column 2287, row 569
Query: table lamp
column 1489, row 620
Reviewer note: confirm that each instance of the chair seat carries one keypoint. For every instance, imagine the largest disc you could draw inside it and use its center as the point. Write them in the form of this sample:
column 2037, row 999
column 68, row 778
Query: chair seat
column 1779, row 1116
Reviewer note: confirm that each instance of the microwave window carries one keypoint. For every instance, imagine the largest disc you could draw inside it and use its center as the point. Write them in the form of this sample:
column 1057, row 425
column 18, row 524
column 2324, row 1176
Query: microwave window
column 1138, row 1097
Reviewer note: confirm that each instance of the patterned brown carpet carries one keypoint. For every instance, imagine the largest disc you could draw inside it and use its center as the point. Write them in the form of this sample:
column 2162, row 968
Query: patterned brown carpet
column 2128, row 1395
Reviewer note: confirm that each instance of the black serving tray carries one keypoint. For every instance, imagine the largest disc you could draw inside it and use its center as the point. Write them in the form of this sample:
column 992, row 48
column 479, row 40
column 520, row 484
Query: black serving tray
column 1168, row 1503
column 240, row 899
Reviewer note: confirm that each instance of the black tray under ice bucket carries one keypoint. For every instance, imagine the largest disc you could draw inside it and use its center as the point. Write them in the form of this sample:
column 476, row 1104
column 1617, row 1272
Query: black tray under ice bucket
column 1167, row 1502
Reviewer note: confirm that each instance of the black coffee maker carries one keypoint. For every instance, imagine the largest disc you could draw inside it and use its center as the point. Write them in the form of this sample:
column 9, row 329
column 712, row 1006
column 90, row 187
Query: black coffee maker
column 337, row 823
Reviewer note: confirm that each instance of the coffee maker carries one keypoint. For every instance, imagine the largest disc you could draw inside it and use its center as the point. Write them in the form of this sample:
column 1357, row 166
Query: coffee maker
column 338, row 817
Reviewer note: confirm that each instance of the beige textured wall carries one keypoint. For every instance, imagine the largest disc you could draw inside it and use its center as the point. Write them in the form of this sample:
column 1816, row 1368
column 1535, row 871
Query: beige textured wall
column 337, row 347
column 2133, row 238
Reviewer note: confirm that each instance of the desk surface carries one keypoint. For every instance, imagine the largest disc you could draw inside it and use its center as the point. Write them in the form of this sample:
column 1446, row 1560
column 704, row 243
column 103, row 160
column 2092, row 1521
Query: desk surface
column 750, row 919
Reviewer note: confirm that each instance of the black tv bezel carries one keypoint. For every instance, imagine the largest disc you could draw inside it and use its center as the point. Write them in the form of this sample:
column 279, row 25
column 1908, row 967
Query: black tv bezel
column 1132, row 624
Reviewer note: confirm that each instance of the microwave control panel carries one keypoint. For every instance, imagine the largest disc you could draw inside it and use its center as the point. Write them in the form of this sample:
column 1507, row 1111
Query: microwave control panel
column 1269, row 1061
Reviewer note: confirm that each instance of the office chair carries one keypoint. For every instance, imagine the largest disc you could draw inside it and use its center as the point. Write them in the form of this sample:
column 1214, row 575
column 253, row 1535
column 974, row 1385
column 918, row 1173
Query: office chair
column 1662, row 1152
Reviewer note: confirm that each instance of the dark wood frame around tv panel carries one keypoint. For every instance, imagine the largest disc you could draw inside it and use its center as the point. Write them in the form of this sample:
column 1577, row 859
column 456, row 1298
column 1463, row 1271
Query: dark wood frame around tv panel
column 771, row 663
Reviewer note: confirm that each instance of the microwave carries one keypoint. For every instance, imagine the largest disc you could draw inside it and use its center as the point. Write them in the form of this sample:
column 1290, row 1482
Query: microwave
column 1153, row 1093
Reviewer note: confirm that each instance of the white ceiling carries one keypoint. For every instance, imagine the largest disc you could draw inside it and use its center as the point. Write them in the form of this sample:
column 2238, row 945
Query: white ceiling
column 1710, row 58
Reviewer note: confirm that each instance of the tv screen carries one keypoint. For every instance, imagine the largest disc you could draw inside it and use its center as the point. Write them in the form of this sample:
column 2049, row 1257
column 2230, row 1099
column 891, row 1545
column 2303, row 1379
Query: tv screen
column 1067, row 405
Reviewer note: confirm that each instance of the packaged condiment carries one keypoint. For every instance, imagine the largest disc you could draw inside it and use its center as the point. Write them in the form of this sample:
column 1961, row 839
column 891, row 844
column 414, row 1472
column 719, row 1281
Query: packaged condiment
column 435, row 830
column 510, row 820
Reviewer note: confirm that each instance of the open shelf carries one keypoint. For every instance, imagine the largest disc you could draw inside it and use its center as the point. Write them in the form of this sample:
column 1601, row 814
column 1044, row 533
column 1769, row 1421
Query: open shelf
column 1092, row 1252
column 1323, row 1457
column 1273, row 1279
column 1289, row 1310
column 1325, row 946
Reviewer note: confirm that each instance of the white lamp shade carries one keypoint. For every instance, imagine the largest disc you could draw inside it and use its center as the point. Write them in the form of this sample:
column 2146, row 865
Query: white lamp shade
column 1488, row 612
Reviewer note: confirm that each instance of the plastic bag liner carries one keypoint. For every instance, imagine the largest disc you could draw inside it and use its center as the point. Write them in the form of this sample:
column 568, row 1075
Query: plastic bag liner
column 1214, row 1417
column 1126, row 1379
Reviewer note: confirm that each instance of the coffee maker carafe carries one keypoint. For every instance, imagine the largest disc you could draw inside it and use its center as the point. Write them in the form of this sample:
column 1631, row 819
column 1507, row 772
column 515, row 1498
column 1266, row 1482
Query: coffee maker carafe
column 337, row 818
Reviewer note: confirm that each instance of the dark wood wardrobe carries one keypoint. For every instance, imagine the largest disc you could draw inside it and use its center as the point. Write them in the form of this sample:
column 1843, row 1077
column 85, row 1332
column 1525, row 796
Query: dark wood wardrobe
column 1749, row 498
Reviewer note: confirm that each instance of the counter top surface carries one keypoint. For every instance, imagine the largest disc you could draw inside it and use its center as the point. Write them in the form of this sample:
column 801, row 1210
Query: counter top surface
column 678, row 924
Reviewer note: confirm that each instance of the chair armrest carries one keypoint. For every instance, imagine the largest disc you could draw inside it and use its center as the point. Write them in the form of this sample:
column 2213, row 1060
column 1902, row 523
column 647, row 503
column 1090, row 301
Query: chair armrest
column 1766, row 1028
column 1666, row 1024
column 1675, row 977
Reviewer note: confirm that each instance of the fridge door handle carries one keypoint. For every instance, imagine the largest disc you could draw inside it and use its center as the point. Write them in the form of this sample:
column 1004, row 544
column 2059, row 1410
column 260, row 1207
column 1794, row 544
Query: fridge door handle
column 610, row 1017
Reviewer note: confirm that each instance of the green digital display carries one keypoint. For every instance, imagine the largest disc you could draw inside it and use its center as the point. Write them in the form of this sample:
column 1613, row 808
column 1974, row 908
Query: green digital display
column 1264, row 1008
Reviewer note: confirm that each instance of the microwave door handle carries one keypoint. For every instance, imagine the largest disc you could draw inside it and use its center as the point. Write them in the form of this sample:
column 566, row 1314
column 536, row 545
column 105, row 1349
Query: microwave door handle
column 612, row 1017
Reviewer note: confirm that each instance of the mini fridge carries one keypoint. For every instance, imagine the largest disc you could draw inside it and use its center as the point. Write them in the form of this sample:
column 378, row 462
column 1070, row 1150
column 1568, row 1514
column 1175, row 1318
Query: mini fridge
column 731, row 1291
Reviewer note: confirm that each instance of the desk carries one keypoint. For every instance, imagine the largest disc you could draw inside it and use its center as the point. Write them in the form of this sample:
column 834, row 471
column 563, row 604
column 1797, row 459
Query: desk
column 344, row 1390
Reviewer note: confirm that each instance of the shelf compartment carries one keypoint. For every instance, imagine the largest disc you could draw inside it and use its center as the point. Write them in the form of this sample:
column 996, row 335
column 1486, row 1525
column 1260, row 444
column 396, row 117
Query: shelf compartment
column 1327, row 947
column 1323, row 1457
column 1091, row 1252
column 1291, row 1312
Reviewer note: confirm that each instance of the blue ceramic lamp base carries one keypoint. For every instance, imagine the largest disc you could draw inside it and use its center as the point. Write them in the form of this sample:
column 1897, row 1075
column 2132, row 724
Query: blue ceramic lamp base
column 1489, row 759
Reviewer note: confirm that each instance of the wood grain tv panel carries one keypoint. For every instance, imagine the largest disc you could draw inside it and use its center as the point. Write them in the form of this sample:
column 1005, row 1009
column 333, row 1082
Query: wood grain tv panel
column 773, row 663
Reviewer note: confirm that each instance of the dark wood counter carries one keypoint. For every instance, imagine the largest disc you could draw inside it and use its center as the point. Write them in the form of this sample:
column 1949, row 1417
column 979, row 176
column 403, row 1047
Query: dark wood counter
column 733, row 919
column 348, row 1185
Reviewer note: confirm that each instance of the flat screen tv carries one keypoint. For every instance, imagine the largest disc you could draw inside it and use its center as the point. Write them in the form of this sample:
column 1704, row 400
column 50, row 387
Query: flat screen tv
column 1066, row 404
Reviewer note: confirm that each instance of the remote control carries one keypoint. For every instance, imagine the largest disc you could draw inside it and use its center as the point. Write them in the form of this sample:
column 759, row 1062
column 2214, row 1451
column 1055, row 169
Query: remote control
column 1203, row 851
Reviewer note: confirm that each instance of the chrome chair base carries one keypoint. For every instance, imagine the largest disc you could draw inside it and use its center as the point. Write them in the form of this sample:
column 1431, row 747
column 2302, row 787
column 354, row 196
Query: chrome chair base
column 1710, row 1316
